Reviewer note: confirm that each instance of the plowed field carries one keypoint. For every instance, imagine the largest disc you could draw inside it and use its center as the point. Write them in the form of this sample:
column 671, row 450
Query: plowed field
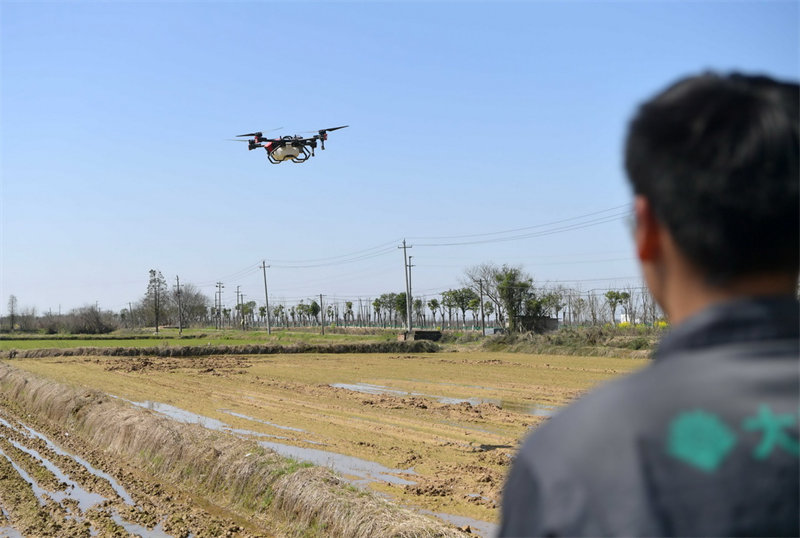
column 432, row 431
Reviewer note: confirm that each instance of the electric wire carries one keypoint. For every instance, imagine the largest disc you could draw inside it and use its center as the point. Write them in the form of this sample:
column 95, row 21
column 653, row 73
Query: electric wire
column 513, row 230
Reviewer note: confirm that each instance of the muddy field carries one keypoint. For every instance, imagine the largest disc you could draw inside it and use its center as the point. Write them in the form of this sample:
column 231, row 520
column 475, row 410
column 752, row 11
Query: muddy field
column 46, row 489
column 435, row 432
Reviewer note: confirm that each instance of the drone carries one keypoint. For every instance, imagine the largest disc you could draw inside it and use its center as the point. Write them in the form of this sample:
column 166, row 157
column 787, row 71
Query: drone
column 297, row 149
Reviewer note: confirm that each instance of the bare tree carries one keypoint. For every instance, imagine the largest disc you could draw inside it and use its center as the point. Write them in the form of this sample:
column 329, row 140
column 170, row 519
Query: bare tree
column 594, row 307
column 485, row 275
column 12, row 310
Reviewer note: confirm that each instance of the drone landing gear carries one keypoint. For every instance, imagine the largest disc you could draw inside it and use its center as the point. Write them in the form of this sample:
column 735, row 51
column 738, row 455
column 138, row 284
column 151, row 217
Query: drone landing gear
column 305, row 156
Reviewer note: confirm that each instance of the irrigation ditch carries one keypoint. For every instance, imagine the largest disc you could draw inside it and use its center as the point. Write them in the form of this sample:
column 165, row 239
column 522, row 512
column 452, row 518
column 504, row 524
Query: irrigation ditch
column 78, row 462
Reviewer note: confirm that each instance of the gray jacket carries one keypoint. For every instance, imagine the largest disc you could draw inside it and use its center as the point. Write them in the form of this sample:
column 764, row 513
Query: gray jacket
column 702, row 442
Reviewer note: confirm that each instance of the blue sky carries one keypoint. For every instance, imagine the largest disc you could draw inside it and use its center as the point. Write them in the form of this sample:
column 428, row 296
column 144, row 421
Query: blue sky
column 466, row 118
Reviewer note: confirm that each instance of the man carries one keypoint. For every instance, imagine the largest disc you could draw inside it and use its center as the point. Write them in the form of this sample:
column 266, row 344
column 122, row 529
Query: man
column 703, row 441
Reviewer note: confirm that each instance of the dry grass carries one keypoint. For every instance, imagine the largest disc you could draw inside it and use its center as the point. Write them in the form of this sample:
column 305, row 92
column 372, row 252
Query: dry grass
column 314, row 495
column 238, row 474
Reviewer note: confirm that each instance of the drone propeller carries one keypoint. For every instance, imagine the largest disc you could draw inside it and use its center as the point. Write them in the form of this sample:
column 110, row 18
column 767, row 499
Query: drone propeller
column 260, row 133
column 320, row 131
column 323, row 133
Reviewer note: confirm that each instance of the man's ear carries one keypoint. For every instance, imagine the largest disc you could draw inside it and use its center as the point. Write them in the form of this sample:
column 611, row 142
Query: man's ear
column 648, row 232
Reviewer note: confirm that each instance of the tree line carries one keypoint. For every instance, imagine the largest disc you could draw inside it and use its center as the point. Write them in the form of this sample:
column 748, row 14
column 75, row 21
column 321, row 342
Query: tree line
column 495, row 296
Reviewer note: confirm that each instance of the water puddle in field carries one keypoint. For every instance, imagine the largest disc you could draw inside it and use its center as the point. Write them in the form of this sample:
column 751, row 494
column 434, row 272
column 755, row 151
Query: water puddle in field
column 508, row 405
column 366, row 471
column 138, row 530
column 86, row 465
column 7, row 532
column 40, row 493
column 484, row 529
column 187, row 417
column 73, row 490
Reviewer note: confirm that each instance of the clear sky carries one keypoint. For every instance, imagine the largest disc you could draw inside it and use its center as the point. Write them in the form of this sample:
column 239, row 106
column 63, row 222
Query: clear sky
column 466, row 119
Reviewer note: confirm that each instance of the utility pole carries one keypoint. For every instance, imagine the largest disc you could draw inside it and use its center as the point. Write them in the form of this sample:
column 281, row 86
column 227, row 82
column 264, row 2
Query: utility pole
column 408, row 286
column 322, row 314
column 238, row 308
column 219, row 305
column 409, row 304
column 180, row 314
column 158, row 307
column 266, row 295
column 483, row 321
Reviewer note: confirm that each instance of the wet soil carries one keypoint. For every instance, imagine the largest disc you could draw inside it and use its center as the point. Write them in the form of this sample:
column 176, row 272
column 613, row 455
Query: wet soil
column 36, row 502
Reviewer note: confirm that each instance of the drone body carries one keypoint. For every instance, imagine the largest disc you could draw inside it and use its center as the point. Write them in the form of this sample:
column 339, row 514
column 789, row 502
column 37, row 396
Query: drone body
column 297, row 149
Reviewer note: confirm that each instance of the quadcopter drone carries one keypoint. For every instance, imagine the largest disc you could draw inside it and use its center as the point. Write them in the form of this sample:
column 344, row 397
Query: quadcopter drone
column 297, row 149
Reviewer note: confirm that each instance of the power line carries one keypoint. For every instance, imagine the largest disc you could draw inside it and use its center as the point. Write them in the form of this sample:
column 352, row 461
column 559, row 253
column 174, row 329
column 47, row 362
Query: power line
column 614, row 208
column 552, row 231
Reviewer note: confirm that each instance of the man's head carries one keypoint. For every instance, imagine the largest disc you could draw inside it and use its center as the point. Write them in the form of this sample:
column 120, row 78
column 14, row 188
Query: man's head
column 713, row 161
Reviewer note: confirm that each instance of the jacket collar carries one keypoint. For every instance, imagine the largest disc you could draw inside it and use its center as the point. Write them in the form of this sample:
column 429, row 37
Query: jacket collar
column 744, row 320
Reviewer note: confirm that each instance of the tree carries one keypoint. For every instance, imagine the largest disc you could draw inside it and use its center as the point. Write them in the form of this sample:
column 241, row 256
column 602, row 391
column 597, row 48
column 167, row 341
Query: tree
column 246, row 312
column 387, row 302
column 433, row 304
column 194, row 304
column 419, row 310
column 463, row 298
column 488, row 309
column 553, row 301
column 448, row 303
column 278, row 312
column 156, row 296
column 514, row 289
column 12, row 310
column 377, row 306
column 400, row 305
column 578, row 307
column 314, row 310
column 348, row 312
column 594, row 307
column 613, row 299
column 485, row 276
column 89, row 320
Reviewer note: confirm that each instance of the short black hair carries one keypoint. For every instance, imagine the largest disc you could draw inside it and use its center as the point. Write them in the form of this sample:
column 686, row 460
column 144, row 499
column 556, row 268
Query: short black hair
column 717, row 158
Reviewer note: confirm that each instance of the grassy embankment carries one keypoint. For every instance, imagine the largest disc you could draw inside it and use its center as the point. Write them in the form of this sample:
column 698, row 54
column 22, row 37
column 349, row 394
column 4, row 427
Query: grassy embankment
column 600, row 341
column 194, row 337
